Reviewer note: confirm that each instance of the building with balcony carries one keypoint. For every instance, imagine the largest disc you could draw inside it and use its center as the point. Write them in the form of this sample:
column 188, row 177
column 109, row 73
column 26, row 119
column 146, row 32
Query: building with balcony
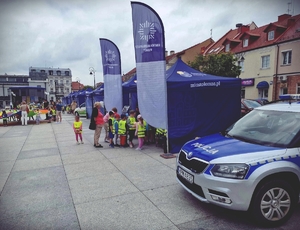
column 57, row 81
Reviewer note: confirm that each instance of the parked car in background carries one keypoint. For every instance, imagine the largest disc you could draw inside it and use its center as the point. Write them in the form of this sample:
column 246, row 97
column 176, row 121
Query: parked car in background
column 81, row 110
column 248, row 105
column 253, row 166
column 262, row 101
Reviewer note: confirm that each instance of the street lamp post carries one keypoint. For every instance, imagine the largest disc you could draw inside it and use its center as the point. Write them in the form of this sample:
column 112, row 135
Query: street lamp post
column 92, row 72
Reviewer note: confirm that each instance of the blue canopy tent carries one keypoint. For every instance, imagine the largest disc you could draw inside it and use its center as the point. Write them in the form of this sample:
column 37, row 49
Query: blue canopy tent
column 98, row 95
column 80, row 97
column 89, row 103
column 199, row 104
column 130, row 93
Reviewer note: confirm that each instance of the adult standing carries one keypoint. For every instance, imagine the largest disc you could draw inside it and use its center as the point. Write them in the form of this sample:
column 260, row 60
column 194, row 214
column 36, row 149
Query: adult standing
column 98, row 118
column 58, row 111
column 24, row 108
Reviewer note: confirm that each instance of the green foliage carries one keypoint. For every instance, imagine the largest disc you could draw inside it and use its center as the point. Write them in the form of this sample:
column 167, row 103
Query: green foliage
column 88, row 86
column 223, row 64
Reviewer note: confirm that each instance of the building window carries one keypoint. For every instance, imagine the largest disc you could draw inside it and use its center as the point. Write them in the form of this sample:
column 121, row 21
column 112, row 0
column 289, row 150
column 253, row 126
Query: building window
column 33, row 70
column 298, row 88
column 287, row 57
column 58, row 73
column 245, row 42
column 61, row 81
column 11, row 79
column 67, row 73
column 283, row 91
column 265, row 62
column 271, row 35
column 50, row 72
column 51, row 82
column 67, row 82
column 42, row 71
column 227, row 47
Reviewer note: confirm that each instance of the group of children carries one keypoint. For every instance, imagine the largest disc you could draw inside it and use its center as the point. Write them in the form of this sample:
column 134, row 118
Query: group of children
column 119, row 127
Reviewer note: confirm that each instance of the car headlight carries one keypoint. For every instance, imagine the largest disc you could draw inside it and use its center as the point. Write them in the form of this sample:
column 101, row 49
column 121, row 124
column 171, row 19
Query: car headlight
column 233, row 171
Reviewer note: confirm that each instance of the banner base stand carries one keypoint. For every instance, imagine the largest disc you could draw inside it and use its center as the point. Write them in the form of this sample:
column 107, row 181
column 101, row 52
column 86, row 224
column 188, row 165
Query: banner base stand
column 167, row 155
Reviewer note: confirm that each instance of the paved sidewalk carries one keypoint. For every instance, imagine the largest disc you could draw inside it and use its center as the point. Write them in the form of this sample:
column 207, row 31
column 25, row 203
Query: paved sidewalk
column 49, row 182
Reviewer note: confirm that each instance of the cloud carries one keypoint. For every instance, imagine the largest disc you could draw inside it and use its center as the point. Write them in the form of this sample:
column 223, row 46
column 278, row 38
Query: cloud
column 65, row 33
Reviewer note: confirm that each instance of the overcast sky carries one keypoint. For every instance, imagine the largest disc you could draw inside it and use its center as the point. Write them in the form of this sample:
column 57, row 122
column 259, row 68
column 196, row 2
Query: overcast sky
column 65, row 33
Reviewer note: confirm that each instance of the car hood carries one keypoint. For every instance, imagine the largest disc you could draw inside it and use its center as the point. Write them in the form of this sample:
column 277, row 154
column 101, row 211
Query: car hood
column 223, row 148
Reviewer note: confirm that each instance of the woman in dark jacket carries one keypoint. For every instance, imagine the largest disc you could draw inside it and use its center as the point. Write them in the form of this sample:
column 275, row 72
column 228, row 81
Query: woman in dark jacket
column 97, row 117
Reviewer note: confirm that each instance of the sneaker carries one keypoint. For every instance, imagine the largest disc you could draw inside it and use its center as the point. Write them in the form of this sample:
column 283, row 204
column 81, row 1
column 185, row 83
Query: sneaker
column 138, row 149
column 82, row 142
column 112, row 146
column 78, row 143
column 131, row 145
column 117, row 145
column 98, row 146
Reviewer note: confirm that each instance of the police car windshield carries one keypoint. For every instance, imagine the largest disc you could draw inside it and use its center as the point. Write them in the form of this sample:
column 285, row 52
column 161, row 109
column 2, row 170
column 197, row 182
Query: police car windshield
column 270, row 128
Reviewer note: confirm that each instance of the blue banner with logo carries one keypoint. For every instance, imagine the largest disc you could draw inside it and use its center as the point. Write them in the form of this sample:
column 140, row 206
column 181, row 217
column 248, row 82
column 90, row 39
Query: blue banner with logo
column 111, row 63
column 149, row 45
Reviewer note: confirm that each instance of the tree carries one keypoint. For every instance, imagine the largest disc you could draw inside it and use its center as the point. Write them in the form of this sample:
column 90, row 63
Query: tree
column 223, row 64
column 88, row 86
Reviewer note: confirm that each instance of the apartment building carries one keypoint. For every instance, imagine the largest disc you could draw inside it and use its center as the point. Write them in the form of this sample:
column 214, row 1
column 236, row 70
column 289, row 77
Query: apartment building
column 268, row 56
column 57, row 82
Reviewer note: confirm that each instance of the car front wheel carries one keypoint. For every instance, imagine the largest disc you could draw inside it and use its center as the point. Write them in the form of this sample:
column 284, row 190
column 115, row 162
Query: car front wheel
column 274, row 202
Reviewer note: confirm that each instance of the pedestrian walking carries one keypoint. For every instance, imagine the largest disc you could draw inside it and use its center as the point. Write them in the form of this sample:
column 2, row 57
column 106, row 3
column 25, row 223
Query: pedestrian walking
column 77, row 127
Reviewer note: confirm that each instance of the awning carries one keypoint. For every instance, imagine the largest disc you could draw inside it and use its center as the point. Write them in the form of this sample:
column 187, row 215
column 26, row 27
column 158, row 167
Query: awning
column 262, row 84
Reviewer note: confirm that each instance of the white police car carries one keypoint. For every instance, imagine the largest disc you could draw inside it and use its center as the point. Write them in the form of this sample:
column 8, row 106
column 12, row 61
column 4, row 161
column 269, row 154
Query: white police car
column 255, row 166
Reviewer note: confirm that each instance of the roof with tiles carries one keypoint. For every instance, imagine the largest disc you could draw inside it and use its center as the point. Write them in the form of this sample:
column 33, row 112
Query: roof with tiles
column 232, row 36
column 285, row 29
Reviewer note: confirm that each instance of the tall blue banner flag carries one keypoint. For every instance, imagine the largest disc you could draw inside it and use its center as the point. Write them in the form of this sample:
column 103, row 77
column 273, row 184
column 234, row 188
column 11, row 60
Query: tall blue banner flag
column 111, row 62
column 149, row 45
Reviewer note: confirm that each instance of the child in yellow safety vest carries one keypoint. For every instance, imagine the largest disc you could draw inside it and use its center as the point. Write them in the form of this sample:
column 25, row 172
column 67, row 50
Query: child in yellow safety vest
column 131, row 127
column 111, row 128
column 140, row 131
column 122, row 131
column 77, row 127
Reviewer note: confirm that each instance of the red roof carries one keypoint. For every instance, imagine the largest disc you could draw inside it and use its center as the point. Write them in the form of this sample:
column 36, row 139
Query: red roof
column 283, row 30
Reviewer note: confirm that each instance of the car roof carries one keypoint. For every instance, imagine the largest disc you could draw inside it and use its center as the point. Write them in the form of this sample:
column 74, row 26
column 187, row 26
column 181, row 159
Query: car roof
column 293, row 107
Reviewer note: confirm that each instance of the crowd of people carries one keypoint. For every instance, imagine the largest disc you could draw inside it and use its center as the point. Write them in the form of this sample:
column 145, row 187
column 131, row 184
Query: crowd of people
column 120, row 130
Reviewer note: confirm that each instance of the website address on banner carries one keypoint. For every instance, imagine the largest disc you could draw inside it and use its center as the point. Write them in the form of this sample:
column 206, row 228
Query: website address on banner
column 147, row 46
column 206, row 84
